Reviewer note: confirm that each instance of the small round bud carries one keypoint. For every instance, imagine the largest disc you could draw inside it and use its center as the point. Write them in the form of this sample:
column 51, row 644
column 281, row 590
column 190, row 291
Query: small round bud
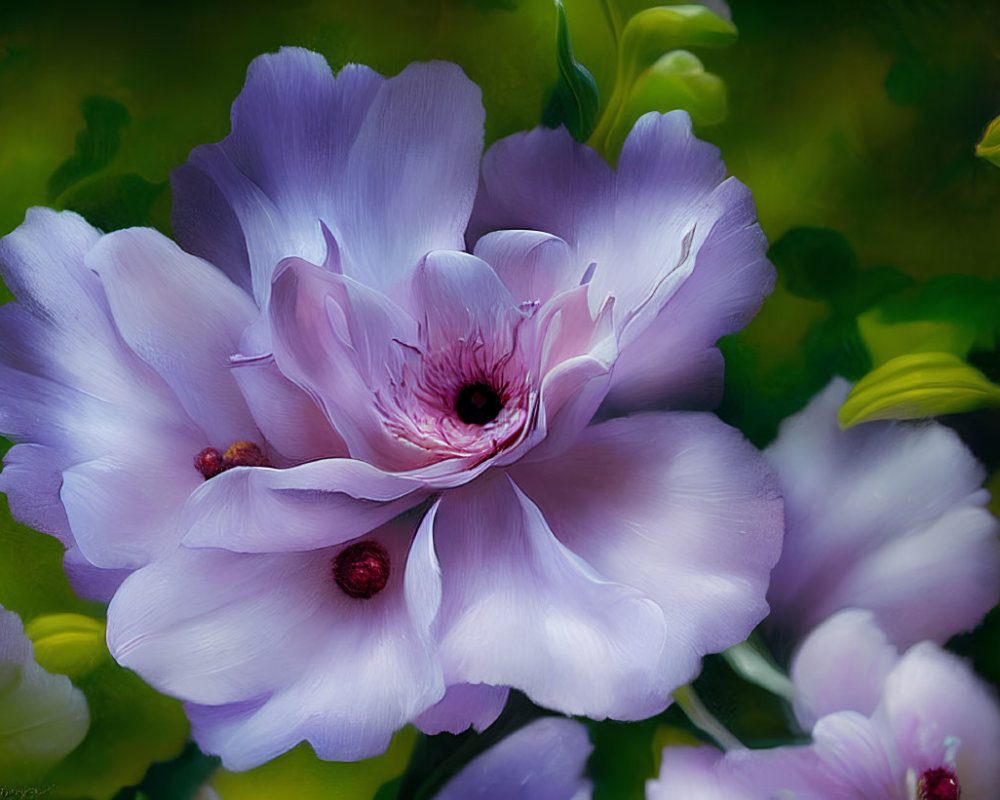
column 362, row 569
column 209, row 462
column 938, row 784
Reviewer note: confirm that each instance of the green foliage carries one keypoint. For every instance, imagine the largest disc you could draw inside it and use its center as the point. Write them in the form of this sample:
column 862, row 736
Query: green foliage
column 68, row 644
column 574, row 99
column 132, row 726
column 300, row 774
column 113, row 201
column 815, row 263
column 915, row 386
column 178, row 779
column 649, row 77
column 989, row 145
column 96, row 145
column 623, row 758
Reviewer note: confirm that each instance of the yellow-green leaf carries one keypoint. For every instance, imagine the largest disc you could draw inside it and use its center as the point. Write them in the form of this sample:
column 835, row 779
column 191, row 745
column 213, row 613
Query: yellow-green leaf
column 915, row 386
column 647, row 36
column 300, row 774
column 677, row 80
column 68, row 644
column 989, row 145
column 888, row 340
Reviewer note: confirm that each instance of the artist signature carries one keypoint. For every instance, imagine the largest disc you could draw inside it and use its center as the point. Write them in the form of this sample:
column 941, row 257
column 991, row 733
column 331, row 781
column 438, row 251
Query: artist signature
column 17, row 793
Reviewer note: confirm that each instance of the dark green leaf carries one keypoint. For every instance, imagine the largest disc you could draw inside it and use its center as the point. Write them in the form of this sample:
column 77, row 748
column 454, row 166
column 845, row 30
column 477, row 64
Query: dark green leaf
column 111, row 201
column 815, row 263
column 574, row 99
column 96, row 144
column 177, row 779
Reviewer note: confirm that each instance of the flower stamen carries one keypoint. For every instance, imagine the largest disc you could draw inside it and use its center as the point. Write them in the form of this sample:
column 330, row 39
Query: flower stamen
column 210, row 462
column 939, row 783
column 362, row 569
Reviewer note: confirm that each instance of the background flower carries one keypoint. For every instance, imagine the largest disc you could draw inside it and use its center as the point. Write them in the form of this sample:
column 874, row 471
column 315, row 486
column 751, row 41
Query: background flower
column 883, row 724
column 885, row 516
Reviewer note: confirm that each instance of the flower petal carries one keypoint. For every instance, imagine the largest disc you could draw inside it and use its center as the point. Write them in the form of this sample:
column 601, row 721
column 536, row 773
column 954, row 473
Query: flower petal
column 42, row 716
column 673, row 362
column 257, row 196
column 881, row 516
column 338, row 341
column 841, row 666
column 290, row 420
column 314, row 505
column 274, row 652
column 464, row 705
column 519, row 609
column 936, row 707
column 424, row 131
column 678, row 506
column 125, row 508
column 184, row 318
column 544, row 760
column 663, row 218
column 461, row 297
column 534, row 266
column 302, row 150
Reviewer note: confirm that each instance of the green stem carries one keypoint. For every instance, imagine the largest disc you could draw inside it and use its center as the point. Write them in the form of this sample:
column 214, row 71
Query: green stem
column 696, row 711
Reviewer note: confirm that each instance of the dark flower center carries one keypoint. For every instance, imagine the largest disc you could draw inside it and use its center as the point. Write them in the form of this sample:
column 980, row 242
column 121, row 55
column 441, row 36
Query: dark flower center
column 478, row 403
column 210, row 462
column 362, row 570
column 938, row 784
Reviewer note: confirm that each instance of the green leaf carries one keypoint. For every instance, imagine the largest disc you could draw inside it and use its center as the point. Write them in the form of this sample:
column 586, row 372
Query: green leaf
column 32, row 581
column 623, row 758
column 886, row 341
column 132, row 726
column 915, row 386
column 112, row 201
column 677, row 80
column 177, row 779
column 647, row 36
column 968, row 301
column 574, row 99
column 815, row 263
column 96, row 145
column 301, row 775
column 989, row 145
column 42, row 716
column 68, row 644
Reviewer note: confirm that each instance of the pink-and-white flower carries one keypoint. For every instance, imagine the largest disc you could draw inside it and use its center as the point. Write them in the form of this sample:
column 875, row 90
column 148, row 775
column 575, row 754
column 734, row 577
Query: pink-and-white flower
column 351, row 463
column 912, row 726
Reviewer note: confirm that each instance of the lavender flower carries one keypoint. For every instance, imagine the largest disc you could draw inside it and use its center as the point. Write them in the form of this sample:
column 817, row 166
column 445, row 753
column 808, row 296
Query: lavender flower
column 42, row 716
column 544, row 760
column 916, row 726
column 382, row 498
column 885, row 516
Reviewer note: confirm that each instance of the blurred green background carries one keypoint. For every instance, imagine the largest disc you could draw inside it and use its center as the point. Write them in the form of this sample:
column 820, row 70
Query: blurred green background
column 853, row 122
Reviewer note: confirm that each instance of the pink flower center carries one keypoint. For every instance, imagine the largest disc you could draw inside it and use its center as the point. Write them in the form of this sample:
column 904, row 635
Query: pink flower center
column 210, row 462
column 938, row 784
column 478, row 403
column 362, row 570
